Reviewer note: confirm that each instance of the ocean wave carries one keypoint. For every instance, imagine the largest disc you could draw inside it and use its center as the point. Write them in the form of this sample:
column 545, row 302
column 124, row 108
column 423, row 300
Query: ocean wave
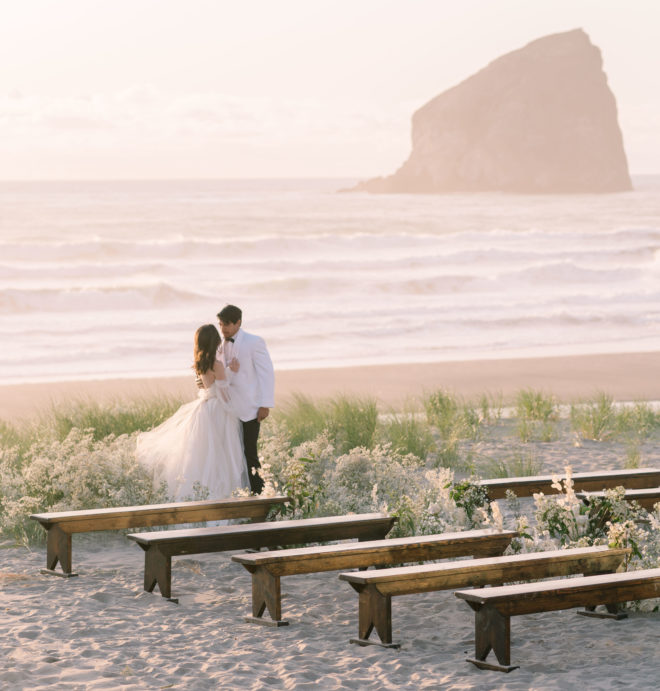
column 315, row 243
column 69, row 270
column 564, row 272
column 155, row 296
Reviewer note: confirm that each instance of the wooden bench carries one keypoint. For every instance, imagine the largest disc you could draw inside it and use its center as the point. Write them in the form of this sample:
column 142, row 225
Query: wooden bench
column 493, row 607
column 646, row 498
column 268, row 567
column 376, row 589
column 527, row 486
column 61, row 525
column 159, row 548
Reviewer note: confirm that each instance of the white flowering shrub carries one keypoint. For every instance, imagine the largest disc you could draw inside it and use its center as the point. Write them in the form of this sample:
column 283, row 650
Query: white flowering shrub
column 322, row 482
column 381, row 479
column 572, row 523
column 76, row 473
column 297, row 472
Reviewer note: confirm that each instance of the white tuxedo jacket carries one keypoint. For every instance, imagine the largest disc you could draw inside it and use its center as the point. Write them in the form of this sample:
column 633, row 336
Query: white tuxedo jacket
column 253, row 386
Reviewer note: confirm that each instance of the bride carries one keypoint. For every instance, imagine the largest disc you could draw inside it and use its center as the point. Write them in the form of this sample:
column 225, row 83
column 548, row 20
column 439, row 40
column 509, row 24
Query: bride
column 201, row 443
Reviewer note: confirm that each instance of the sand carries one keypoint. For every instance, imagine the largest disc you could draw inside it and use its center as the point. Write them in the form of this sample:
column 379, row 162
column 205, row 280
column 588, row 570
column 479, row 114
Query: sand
column 100, row 630
column 626, row 377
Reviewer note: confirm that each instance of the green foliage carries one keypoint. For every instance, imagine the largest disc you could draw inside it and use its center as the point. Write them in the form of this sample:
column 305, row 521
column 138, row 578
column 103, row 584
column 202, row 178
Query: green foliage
column 116, row 418
column 470, row 496
column 73, row 457
column 302, row 418
column 491, row 408
column 75, row 473
column 574, row 523
column 324, row 482
column 637, row 423
column 633, row 456
column 534, row 405
column 353, row 462
column 407, row 433
column 451, row 417
column 537, row 416
column 296, row 483
column 348, row 421
column 15, row 436
column 596, row 420
column 455, row 421
column 520, row 463
column 353, row 422
column 600, row 420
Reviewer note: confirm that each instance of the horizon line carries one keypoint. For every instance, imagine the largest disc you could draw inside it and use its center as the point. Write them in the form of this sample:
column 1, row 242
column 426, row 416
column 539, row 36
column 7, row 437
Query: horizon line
column 255, row 178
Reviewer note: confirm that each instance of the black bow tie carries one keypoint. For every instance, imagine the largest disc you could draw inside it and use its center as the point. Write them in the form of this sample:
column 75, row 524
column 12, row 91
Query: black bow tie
column 231, row 340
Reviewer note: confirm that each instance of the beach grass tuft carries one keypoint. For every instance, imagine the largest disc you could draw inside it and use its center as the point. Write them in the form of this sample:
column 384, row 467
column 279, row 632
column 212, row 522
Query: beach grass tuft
column 407, row 432
column 596, row 419
column 601, row 420
column 303, row 418
column 349, row 421
column 119, row 417
column 455, row 421
column 537, row 415
column 521, row 463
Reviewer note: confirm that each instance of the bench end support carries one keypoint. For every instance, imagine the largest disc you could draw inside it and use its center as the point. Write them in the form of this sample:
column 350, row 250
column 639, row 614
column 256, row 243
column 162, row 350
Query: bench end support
column 275, row 623
column 612, row 613
column 60, row 574
column 158, row 572
column 482, row 664
column 367, row 641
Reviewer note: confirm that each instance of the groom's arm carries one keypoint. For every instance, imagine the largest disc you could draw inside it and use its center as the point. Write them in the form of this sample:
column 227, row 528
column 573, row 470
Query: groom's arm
column 263, row 366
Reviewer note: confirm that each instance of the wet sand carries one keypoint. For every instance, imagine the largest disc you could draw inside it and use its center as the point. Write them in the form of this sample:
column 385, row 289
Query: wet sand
column 626, row 377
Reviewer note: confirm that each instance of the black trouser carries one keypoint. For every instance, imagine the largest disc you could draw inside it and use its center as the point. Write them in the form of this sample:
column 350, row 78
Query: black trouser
column 250, row 436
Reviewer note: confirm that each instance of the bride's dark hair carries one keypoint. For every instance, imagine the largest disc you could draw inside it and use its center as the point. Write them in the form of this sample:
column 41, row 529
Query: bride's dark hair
column 207, row 340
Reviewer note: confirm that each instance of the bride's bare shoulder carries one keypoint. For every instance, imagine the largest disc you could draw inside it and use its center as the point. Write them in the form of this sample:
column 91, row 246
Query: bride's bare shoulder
column 218, row 370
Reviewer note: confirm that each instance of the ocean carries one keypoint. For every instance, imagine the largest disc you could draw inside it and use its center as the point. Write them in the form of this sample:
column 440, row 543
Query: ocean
column 111, row 279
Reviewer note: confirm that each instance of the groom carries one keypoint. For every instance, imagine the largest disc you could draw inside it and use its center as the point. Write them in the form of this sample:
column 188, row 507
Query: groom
column 252, row 387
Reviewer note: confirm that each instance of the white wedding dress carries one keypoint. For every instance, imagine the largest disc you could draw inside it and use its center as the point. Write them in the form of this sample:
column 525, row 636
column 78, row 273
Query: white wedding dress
column 202, row 442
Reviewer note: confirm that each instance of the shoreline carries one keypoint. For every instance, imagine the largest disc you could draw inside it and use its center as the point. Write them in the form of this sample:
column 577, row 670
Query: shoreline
column 624, row 376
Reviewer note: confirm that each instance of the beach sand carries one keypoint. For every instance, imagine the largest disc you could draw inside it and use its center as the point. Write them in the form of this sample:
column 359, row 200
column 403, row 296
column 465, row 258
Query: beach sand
column 626, row 377
column 100, row 630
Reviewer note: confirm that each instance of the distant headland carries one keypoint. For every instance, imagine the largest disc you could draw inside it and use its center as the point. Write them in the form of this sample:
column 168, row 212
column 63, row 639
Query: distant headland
column 538, row 120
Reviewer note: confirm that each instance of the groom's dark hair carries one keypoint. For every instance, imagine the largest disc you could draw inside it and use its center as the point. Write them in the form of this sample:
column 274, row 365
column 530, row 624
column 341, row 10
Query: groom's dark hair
column 230, row 314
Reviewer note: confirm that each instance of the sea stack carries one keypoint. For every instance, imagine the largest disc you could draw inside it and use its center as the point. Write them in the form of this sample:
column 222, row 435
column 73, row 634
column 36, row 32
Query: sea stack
column 539, row 120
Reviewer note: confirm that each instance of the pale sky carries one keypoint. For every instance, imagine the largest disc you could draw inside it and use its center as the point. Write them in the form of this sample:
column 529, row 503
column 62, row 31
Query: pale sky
column 104, row 89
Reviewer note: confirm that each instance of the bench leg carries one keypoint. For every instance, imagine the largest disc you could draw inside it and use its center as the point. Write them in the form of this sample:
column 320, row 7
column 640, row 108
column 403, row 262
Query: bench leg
column 266, row 594
column 492, row 631
column 375, row 612
column 58, row 548
column 158, row 571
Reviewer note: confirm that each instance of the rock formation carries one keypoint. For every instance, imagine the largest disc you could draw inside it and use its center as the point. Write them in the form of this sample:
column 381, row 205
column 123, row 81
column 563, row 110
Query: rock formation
column 541, row 119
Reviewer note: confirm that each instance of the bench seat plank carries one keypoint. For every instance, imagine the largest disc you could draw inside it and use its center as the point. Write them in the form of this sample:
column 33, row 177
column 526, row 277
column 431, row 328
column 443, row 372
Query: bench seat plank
column 268, row 567
column 118, row 518
column 378, row 552
column 493, row 607
column 160, row 547
column 548, row 596
column 60, row 525
column 635, row 478
column 376, row 589
column 646, row 498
